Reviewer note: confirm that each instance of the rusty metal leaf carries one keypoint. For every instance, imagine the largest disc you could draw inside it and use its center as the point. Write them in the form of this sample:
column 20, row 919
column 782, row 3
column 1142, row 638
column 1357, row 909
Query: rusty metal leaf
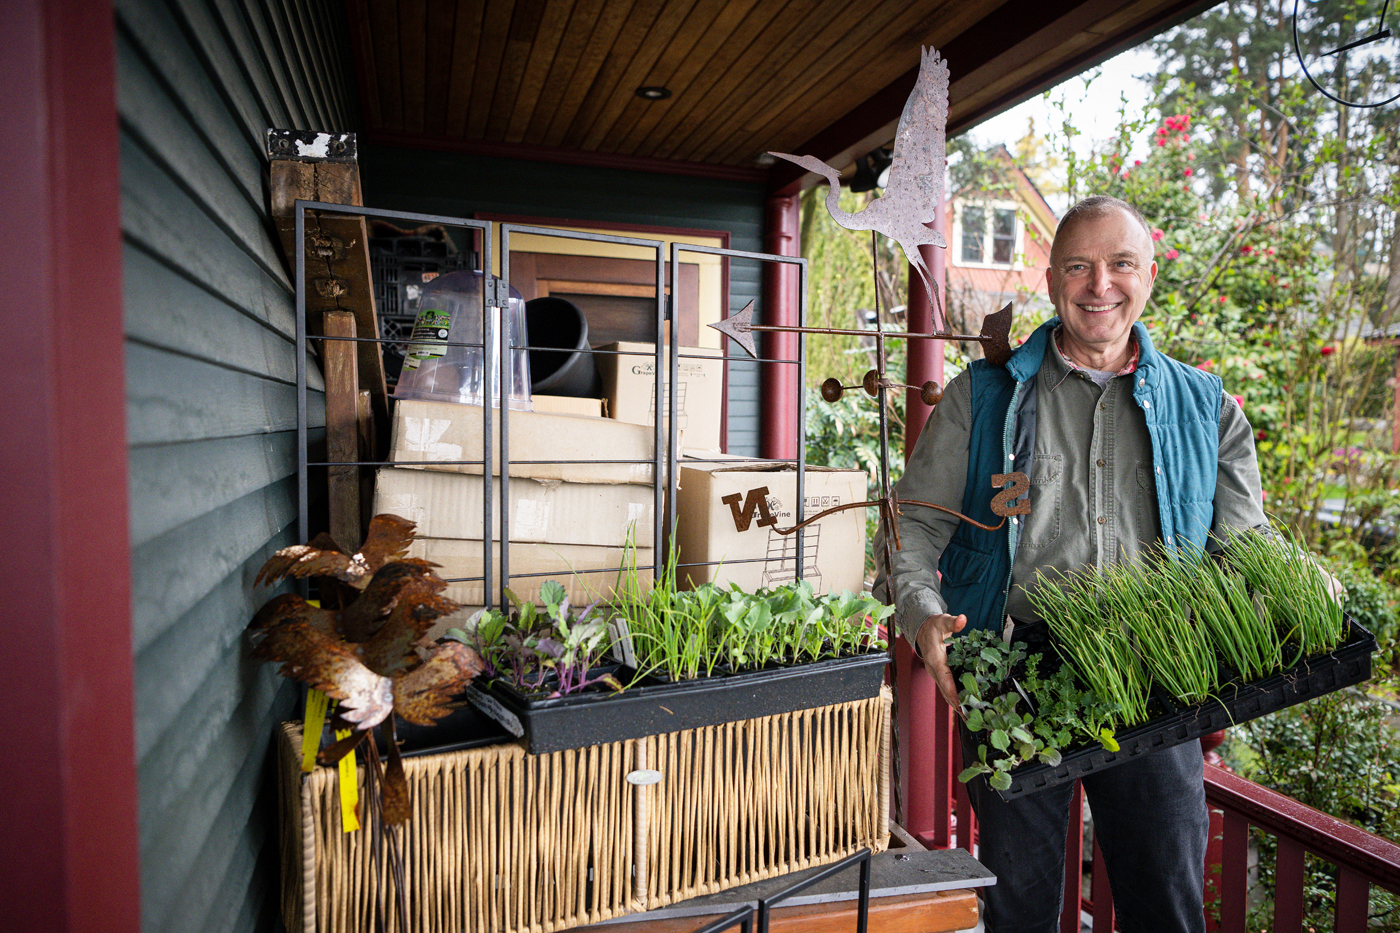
column 289, row 607
column 339, row 749
column 422, row 696
column 386, row 540
column 395, row 801
column 330, row 665
column 390, row 650
column 402, row 579
column 304, row 560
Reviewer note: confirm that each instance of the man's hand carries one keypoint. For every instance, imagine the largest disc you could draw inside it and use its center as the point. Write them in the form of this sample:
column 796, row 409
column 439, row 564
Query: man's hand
column 931, row 643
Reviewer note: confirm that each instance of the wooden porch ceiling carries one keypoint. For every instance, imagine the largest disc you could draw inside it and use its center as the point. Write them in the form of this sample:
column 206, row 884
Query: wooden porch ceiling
column 557, row 79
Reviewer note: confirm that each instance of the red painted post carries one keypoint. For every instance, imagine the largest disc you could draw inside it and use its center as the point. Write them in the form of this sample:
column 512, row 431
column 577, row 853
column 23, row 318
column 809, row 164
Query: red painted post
column 779, row 427
column 1288, row 887
column 1234, row 873
column 947, row 763
column 967, row 822
column 71, row 856
column 1101, row 891
column 925, row 356
column 1214, row 856
column 1353, row 893
column 1074, row 859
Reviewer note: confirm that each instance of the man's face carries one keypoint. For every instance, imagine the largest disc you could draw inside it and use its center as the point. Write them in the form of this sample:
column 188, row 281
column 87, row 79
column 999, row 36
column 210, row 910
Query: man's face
column 1099, row 279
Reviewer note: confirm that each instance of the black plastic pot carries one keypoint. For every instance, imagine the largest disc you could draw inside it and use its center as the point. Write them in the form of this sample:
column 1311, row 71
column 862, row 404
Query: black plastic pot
column 1349, row 664
column 570, row 369
column 551, row 725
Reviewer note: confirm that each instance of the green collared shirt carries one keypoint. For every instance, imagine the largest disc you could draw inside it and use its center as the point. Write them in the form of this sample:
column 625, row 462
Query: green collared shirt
column 1093, row 490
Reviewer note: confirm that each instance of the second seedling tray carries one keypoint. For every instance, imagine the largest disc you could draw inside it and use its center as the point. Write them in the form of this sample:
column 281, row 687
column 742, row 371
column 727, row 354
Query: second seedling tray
column 1348, row 664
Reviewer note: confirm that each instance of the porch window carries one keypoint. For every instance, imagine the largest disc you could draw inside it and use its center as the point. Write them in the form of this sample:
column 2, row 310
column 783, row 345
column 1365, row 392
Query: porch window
column 988, row 235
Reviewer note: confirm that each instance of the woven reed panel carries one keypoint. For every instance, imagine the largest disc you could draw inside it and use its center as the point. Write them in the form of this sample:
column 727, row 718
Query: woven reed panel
column 504, row 842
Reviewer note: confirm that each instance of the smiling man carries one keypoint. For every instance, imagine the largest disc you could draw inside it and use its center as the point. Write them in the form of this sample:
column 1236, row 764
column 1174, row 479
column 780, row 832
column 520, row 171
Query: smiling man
column 1127, row 450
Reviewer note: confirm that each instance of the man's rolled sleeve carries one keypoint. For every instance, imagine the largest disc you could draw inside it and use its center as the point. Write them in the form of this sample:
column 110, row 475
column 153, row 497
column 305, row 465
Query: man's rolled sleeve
column 1238, row 489
column 935, row 472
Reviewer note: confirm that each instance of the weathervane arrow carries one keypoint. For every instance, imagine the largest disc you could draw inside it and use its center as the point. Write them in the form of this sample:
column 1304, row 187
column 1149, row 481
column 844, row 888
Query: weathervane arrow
column 995, row 336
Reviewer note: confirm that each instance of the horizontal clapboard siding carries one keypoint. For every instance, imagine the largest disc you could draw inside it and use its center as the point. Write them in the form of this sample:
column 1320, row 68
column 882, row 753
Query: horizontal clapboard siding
column 211, row 419
column 460, row 185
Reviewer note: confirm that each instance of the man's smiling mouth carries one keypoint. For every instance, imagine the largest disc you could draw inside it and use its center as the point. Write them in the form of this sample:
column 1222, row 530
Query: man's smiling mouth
column 1099, row 309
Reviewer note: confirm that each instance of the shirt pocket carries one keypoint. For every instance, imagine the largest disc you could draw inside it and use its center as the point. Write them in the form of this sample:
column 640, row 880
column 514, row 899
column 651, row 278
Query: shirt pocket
column 1042, row 527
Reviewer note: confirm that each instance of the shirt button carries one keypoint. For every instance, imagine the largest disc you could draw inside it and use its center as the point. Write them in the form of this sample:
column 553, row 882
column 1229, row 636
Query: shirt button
column 1103, row 407
column 1146, row 404
column 1142, row 382
column 1100, row 463
column 1100, row 519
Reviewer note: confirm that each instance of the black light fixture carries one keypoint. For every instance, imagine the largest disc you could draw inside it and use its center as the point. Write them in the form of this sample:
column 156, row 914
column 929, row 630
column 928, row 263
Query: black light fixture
column 653, row 92
column 869, row 168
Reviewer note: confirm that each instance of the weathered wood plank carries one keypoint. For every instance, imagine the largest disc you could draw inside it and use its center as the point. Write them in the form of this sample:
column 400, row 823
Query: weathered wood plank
column 520, row 41
column 342, row 428
column 437, row 66
column 366, row 66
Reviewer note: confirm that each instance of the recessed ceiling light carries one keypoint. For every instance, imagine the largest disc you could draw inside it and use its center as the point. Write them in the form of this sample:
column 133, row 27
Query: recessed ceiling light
column 651, row 92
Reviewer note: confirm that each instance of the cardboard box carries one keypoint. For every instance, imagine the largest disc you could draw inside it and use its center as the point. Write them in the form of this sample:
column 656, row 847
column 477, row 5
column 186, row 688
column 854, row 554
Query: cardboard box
column 451, row 505
column 565, row 405
column 729, row 512
column 629, row 386
column 444, row 433
column 586, row 573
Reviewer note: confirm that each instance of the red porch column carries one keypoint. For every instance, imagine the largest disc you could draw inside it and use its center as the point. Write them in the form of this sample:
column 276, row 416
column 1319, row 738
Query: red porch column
column 778, row 381
column 69, row 855
column 928, row 733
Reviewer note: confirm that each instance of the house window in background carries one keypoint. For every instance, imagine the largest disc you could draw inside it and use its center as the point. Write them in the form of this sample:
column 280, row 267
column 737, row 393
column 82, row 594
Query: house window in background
column 988, row 235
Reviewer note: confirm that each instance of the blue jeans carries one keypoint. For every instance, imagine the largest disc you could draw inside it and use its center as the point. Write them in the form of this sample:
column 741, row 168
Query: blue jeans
column 1150, row 820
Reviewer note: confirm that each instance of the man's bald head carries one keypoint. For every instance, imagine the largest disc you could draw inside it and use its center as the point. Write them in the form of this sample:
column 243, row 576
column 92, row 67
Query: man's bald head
column 1092, row 208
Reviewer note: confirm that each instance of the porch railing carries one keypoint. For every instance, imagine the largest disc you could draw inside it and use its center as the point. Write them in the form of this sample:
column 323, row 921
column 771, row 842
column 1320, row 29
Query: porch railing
column 938, row 812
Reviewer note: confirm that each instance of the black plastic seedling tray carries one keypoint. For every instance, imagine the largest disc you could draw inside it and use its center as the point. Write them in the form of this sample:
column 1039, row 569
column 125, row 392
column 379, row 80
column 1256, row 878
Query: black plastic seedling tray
column 1349, row 664
column 576, row 721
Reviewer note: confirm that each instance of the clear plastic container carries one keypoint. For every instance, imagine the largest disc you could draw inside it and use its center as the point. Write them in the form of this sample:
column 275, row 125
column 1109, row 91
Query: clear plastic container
column 437, row 368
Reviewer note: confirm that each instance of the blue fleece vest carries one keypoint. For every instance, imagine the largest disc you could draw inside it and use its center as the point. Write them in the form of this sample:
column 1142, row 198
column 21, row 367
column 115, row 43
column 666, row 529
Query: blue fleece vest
column 1181, row 405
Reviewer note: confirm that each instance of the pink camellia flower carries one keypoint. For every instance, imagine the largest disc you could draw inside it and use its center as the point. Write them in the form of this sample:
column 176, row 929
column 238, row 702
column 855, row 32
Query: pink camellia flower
column 1207, row 365
column 1157, row 233
column 1260, row 434
column 1246, row 249
column 1190, row 157
column 1239, row 400
column 1137, row 161
column 1171, row 254
column 1269, row 251
column 1161, row 143
column 1328, row 351
column 1222, row 299
column 1189, row 172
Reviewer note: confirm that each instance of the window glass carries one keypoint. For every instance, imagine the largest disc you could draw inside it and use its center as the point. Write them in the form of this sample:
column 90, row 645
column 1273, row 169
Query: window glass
column 1003, row 235
column 974, row 228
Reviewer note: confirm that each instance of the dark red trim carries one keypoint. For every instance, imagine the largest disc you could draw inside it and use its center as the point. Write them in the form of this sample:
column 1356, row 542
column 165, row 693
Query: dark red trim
column 70, row 855
column 569, row 157
column 1336, row 841
column 619, row 226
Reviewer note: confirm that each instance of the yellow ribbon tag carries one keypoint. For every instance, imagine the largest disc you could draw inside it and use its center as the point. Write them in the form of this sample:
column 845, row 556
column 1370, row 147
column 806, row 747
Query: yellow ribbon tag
column 315, row 721
column 349, row 788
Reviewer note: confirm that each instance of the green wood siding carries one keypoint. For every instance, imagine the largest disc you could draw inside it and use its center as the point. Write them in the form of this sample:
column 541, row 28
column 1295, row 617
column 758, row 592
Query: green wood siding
column 460, row 185
column 211, row 411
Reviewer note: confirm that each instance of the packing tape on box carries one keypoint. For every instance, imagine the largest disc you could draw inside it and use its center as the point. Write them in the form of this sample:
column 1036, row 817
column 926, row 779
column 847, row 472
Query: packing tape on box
column 424, row 436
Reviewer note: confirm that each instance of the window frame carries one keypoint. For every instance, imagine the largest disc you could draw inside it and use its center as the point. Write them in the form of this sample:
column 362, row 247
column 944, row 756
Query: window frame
column 989, row 206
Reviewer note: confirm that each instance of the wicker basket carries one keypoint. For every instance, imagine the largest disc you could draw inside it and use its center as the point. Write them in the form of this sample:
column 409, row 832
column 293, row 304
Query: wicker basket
column 506, row 842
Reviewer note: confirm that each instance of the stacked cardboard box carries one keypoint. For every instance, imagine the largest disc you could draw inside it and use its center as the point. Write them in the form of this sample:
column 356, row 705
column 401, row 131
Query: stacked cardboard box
column 577, row 523
column 729, row 515
column 628, row 371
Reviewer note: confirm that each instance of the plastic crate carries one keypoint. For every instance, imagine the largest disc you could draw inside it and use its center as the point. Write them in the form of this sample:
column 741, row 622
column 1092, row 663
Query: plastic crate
column 399, row 267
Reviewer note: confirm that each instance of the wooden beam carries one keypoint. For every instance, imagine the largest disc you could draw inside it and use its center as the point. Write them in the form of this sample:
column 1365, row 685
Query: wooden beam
column 342, row 429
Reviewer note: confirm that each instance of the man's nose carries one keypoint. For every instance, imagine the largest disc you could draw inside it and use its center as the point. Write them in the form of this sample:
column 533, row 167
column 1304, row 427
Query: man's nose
column 1099, row 279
